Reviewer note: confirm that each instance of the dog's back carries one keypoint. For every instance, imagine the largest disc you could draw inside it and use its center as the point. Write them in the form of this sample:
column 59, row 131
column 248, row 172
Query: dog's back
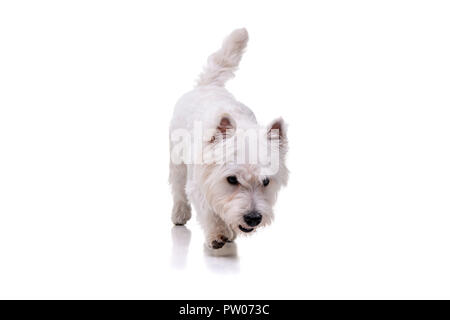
column 209, row 99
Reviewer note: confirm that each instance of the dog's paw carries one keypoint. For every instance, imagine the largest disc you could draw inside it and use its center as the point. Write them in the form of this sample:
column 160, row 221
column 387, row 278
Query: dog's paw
column 219, row 242
column 181, row 213
column 215, row 244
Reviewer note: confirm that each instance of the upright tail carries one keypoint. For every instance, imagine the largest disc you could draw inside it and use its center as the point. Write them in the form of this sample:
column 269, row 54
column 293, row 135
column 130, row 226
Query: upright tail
column 223, row 63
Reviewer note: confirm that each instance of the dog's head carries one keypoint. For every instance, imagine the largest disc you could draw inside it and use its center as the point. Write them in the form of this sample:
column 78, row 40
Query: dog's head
column 245, row 171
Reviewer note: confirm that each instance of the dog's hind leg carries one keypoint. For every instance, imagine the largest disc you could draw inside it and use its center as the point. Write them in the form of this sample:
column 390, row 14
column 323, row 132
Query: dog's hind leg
column 181, row 211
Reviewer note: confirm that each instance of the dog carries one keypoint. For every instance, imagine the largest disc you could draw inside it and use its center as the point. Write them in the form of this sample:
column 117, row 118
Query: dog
column 213, row 139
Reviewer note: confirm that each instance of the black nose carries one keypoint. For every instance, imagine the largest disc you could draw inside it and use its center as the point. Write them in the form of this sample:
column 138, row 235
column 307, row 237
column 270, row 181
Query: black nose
column 253, row 218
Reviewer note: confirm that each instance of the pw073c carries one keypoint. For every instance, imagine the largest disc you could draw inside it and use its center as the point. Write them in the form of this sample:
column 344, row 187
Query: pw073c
column 246, row 309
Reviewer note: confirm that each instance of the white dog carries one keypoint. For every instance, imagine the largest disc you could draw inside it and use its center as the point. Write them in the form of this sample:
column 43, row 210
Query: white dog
column 214, row 166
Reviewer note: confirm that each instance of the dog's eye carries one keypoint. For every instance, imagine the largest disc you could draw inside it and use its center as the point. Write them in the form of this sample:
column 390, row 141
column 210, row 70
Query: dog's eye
column 265, row 182
column 232, row 180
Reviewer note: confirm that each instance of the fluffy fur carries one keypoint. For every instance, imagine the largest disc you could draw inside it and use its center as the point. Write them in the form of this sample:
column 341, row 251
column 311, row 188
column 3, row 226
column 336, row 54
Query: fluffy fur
column 201, row 180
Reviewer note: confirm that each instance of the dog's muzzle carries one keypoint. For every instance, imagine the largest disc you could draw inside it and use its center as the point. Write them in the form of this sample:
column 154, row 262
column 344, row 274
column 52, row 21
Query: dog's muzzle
column 252, row 219
column 245, row 229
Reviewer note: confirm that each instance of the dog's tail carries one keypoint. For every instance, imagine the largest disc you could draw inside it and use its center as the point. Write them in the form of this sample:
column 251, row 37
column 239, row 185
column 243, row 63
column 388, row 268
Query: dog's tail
column 222, row 63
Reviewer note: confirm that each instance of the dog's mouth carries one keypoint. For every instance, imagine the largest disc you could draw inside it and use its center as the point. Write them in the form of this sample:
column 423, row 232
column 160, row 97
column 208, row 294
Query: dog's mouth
column 245, row 229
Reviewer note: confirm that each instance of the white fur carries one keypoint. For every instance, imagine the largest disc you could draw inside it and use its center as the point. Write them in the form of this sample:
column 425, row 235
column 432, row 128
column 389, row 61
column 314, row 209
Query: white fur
column 221, row 206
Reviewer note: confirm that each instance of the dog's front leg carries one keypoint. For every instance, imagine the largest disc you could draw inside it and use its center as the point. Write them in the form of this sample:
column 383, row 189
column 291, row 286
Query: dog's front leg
column 216, row 231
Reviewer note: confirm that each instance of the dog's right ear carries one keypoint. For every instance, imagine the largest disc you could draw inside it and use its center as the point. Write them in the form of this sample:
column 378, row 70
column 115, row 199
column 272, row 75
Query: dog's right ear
column 225, row 127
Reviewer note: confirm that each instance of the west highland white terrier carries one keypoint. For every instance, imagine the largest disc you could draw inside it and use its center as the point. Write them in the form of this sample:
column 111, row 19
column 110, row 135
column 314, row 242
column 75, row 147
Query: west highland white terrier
column 222, row 161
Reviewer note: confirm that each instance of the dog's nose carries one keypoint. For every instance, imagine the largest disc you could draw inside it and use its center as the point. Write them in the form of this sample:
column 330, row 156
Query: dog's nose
column 253, row 218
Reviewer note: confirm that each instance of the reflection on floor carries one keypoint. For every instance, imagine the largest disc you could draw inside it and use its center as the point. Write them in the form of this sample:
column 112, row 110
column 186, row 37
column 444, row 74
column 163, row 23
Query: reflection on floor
column 181, row 238
column 224, row 260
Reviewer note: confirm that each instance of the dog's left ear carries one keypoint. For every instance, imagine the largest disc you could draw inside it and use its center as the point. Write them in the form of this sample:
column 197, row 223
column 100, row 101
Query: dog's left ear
column 277, row 131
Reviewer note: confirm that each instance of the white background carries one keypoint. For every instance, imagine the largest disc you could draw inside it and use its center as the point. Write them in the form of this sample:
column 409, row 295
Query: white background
column 86, row 94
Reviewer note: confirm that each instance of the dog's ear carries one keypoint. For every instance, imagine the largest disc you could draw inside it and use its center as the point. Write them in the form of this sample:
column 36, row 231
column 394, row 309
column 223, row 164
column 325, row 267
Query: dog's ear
column 226, row 123
column 277, row 131
column 225, row 127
